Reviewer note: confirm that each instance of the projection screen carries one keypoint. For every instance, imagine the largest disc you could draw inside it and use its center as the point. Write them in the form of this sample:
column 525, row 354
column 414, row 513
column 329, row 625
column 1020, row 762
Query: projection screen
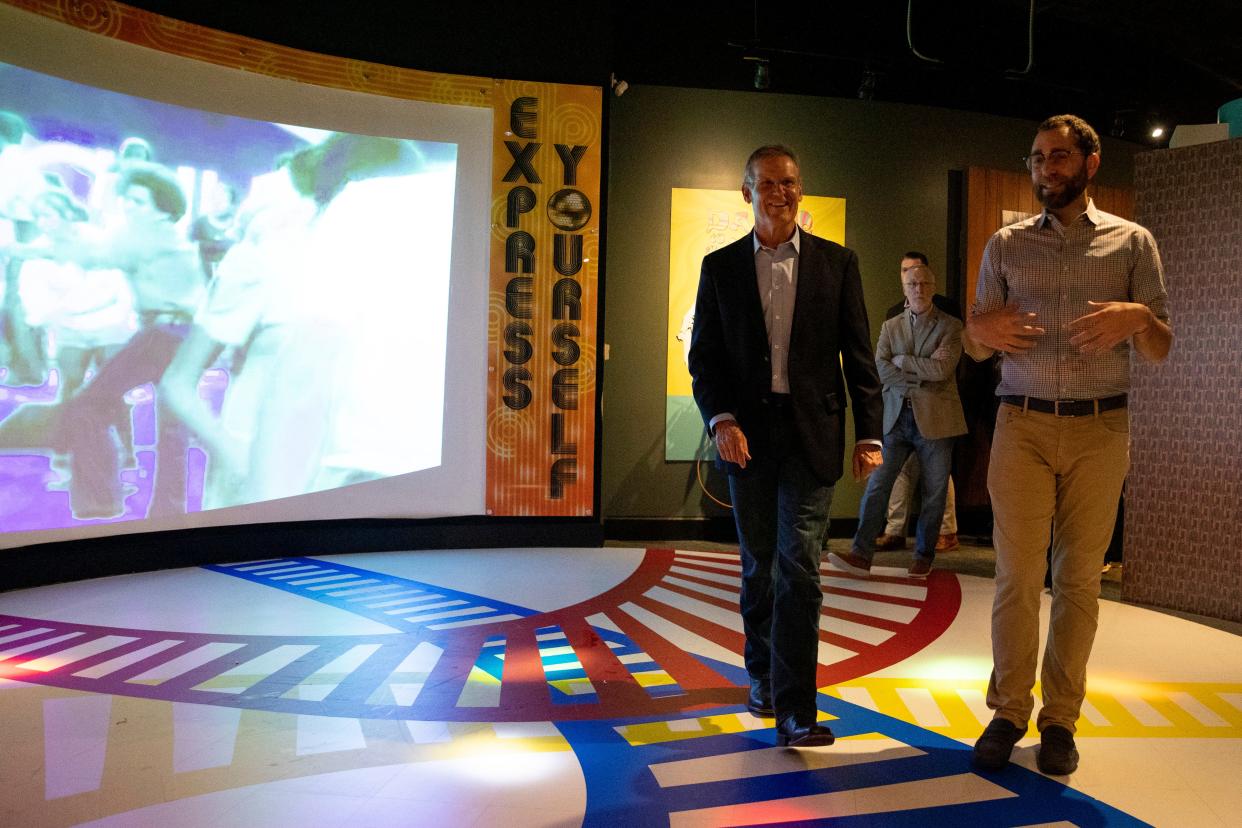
column 231, row 298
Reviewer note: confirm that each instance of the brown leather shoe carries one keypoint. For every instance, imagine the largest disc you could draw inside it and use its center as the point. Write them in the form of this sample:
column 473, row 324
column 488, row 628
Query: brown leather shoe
column 946, row 542
column 919, row 569
column 887, row 543
column 850, row 562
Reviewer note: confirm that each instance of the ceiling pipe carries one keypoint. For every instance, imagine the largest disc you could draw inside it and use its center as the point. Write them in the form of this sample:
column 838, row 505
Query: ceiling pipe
column 910, row 36
column 1030, row 44
column 1030, row 40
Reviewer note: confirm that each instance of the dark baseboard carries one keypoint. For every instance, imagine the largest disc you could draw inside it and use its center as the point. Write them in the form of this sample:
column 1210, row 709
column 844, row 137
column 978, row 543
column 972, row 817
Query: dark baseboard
column 975, row 521
column 715, row 529
column 50, row 563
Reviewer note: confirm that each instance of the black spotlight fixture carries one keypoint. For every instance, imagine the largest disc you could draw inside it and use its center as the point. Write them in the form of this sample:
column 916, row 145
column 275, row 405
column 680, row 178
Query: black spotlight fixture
column 763, row 73
column 866, row 87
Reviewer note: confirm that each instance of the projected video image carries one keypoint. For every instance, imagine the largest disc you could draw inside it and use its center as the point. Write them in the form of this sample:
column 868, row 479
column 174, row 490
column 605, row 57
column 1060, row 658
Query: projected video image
column 202, row 311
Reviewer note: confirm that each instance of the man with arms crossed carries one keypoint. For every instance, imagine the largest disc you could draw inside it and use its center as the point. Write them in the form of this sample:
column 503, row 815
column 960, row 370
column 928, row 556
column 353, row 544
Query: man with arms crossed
column 1065, row 296
column 917, row 358
column 778, row 313
column 900, row 501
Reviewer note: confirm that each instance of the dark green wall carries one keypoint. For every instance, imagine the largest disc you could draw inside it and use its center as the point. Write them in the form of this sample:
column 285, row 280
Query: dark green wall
column 890, row 162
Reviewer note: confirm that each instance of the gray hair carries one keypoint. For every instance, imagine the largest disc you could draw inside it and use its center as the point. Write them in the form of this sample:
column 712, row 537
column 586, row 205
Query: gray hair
column 766, row 151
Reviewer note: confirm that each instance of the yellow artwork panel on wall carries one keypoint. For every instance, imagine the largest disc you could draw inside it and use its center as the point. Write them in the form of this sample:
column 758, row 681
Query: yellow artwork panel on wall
column 702, row 221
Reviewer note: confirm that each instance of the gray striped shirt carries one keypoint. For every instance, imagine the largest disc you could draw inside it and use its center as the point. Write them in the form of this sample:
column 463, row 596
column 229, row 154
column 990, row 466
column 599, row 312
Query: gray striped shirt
column 1053, row 270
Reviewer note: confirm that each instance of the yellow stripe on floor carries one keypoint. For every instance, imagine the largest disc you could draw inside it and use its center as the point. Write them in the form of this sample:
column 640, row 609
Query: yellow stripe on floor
column 672, row 730
column 1199, row 710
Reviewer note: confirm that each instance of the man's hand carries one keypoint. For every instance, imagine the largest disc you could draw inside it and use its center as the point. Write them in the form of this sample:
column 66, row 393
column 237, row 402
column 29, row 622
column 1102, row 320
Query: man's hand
column 940, row 353
column 731, row 442
column 867, row 458
column 1004, row 329
column 1112, row 324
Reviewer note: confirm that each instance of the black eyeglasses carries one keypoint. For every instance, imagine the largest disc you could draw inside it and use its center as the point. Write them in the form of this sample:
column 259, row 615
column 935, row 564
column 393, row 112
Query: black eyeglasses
column 1036, row 160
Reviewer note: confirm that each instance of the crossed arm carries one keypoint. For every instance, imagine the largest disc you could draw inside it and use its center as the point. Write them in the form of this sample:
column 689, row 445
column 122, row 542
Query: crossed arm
column 905, row 371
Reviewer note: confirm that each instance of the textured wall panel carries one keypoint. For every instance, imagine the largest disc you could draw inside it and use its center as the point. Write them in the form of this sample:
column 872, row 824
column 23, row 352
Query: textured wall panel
column 1183, row 534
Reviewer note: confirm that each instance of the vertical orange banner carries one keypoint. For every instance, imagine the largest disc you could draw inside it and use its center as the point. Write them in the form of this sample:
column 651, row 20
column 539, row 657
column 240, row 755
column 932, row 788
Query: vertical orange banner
column 543, row 297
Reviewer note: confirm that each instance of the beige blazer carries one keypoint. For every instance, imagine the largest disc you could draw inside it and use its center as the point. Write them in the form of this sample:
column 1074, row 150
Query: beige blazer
column 907, row 369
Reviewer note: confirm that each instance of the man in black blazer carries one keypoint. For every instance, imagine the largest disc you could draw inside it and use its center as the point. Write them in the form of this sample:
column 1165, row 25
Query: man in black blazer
column 779, row 313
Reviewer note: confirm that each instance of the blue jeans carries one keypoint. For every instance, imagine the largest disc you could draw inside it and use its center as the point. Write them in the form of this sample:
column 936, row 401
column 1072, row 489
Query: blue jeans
column 781, row 511
column 936, row 456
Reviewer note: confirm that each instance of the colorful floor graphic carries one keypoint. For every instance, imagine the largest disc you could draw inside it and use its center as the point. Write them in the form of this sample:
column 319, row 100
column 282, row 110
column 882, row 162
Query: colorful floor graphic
column 566, row 687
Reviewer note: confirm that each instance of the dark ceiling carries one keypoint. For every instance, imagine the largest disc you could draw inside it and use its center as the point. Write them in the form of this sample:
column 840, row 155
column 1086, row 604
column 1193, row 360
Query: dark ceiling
column 1123, row 64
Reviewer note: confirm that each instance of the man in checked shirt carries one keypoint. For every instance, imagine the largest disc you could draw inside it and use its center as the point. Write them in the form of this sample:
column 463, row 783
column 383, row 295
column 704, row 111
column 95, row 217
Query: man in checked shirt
column 1064, row 296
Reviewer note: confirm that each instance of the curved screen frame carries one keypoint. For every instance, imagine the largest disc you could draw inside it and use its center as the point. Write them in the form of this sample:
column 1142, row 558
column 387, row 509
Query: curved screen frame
column 454, row 488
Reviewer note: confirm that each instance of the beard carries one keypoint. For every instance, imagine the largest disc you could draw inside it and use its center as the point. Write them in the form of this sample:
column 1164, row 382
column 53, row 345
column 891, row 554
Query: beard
column 1070, row 190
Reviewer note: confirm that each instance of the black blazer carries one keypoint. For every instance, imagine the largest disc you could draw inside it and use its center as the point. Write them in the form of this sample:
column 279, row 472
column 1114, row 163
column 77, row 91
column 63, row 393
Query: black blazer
column 730, row 361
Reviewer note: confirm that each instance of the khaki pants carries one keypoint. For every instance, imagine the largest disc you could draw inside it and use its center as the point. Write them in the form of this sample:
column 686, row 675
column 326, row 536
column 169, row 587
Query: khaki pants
column 1061, row 475
column 899, row 501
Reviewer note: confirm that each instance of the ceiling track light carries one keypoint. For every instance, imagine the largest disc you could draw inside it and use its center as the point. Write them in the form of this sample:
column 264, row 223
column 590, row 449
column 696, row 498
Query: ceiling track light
column 866, row 87
column 1157, row 129
column 763, row 71
column 1118, row 129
